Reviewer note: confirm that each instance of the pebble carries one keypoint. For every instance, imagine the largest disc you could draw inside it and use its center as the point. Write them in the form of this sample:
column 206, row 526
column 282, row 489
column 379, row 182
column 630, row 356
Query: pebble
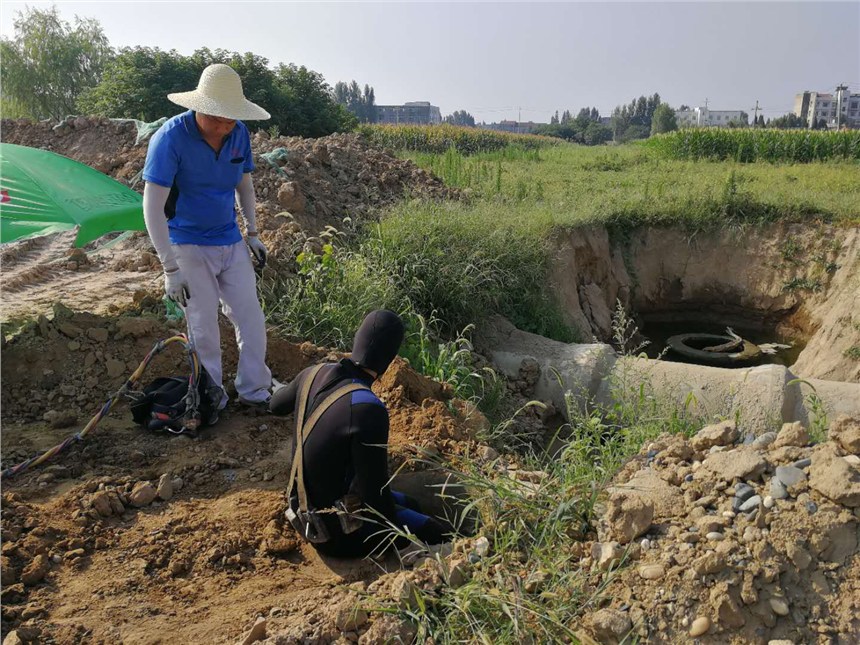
column 729, row 514
column 744, row 491
column 768, row 502
column 764, row 440
column 652, row 571
column 689, row 478
column 264, row 427
column 811, row 507
column 802, row 463
column 779, row 606
column 700, row 625
column 482, row 547
column 645, row 544
column 777, row 490
column 790, row 476
column 715, row 536
column 752, row 503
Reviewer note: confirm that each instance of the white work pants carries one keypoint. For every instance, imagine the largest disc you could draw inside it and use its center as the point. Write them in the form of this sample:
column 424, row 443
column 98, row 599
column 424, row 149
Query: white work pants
column 225, row 274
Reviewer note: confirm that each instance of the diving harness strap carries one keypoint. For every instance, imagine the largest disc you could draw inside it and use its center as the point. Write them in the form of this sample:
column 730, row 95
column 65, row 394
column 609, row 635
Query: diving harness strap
column 307, row 521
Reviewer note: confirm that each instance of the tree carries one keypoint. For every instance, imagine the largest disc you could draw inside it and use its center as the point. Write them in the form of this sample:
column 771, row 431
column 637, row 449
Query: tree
column 460, row 118
column 596, row 133
column 684, row 108
column 48, row 64
column 136, row 84
column 787, row 121
column 663, row 119
column 362, row 104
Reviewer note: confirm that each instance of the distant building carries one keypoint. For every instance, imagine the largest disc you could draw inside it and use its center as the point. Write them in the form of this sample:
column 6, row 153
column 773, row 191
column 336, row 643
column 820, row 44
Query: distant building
column 813, row 107
column 517, row 127
column 703, row 117
column 415, row 113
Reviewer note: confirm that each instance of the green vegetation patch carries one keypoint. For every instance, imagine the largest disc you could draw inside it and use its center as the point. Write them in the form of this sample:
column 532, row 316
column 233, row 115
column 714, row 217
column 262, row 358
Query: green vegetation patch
column 439, row 138
column 755, row 144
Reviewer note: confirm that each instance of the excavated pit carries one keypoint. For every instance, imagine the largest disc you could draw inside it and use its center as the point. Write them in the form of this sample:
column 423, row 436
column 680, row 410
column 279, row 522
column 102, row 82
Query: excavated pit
column 788, row 283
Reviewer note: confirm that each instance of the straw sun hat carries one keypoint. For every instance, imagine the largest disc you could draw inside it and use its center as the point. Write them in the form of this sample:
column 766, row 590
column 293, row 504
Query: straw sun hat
column 219, row 93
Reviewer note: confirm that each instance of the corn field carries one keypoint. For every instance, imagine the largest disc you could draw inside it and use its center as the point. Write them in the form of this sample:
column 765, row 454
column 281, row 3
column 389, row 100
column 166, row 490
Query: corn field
column 753, row 144
column 440, row 138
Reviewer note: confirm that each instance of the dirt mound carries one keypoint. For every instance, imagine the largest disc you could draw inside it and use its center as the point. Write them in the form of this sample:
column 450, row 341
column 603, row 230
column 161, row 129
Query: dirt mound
column 728, row 543
column 128, row 534
column 309, row 185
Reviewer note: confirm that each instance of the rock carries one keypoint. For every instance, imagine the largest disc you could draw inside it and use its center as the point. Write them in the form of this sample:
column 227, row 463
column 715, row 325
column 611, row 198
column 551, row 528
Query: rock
column 700, row 626
column 845, row 432
column 70, row 330
column 388, row 629
column 164, row 490
column 8, row 573
column 291, row 198
column 765, row 440
column 458, row 573
column 791, row 434
column 610, row 626
column 114, row 368
column 727, row 610
column 12, row 638
column 34, row 572
column 834, row 478
column 709, row 563
column 177, row 484
column 405, row 592
column 777, row 490
column 98, row 334
column 257, row 633
column 790, row 477
column 652, row 571
column 482, row 547
column 719, row 434
column 628, row 515
column 799, row 556
column 486, row 453
column 668, row 500
column 101, row 502
column 752, row 503
column 349, row 617
column 779, row 606
column 744, row 491
column 741, row 463
column 768, row 502
column 715, row 536
column 142, row 494
column 608, row 555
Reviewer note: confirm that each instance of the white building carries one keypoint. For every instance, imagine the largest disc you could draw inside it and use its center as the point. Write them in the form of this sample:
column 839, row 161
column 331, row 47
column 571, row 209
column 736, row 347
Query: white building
column 415, row 112
column 703, row 117
column 813, row 107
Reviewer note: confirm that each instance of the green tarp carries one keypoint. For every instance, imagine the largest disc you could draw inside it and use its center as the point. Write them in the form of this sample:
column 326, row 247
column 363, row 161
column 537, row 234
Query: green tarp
column 42, row 192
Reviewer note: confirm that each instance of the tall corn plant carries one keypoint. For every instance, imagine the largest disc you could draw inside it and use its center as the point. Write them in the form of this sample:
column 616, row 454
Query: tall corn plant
column 754, row 144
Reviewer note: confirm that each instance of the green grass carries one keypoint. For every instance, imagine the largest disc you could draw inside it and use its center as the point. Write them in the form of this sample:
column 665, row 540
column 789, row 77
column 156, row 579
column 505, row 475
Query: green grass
column 632, row 185
column 531, row 586
column 755, row 144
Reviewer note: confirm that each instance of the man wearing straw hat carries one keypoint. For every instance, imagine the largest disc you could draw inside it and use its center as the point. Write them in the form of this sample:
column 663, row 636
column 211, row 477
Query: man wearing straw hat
column 197, row 164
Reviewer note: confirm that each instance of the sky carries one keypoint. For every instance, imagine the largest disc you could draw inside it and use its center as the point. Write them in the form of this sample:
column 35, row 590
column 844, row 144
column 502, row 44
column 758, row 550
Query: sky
column 519, row 60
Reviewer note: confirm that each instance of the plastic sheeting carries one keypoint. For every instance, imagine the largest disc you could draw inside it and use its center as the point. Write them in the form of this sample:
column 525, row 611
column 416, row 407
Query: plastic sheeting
column 42, row 192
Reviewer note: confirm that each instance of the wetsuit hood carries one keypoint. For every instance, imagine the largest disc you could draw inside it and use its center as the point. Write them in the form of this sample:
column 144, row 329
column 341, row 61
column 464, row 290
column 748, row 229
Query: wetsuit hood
column 377, row 340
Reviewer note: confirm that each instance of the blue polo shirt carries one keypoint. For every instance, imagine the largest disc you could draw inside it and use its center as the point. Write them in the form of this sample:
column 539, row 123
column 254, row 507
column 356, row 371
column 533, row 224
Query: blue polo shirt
column 201, row 208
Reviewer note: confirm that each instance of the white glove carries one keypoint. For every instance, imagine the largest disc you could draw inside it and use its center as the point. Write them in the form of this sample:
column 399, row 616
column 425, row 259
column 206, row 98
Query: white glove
column 258, row 249
column 176, row 287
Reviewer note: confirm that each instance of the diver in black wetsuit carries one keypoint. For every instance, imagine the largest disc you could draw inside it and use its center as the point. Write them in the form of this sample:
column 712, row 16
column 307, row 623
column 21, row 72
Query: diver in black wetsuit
column 345, row 455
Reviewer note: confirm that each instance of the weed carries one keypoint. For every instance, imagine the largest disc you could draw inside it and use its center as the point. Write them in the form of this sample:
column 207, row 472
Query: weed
column 803, row 284
column 852, row 352
column 818, row 419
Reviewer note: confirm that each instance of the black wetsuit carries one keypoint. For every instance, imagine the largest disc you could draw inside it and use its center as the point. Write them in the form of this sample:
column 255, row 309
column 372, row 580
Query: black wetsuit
column 347, row 453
